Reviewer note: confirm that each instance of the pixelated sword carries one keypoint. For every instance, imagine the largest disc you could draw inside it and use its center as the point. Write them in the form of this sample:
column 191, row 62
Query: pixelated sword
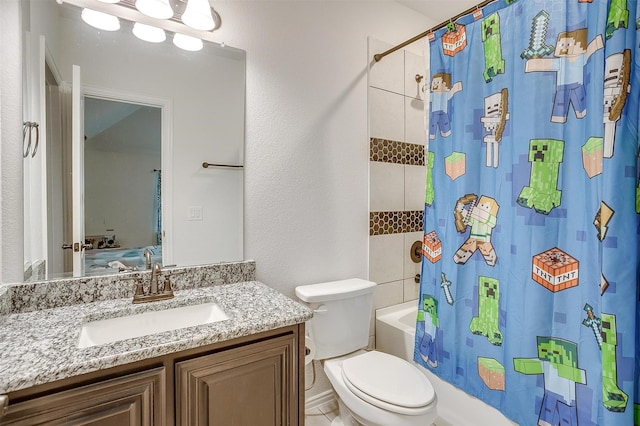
column 593, row 322
column 537, row 46
column 445, row 284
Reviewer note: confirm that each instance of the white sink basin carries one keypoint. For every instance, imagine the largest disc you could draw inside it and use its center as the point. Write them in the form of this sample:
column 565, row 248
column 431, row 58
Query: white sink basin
column 115, row 329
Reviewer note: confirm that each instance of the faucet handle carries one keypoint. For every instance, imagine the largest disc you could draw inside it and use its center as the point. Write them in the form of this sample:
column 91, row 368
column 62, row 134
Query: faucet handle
column 167, row 281
column 167, row 289
column 138, row 281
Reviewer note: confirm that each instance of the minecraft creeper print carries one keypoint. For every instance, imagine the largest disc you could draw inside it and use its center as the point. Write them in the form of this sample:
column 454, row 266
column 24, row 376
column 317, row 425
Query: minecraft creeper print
column 430, row 193
column 493, row 62
column 486, row 323
column 618, row 17
column 613, row 398
column 545, row 156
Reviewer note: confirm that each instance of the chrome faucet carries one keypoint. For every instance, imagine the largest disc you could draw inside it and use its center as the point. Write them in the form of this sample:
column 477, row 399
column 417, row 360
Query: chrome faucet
column 147, row 258
column 153, row 284
column 153, row 294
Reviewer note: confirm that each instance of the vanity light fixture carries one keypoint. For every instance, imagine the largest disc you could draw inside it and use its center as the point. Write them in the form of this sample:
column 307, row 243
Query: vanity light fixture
column 100, row 20
column 186, row 42
column 159, row 9
column 197, row 15
column 149, row 33
column 191, row 21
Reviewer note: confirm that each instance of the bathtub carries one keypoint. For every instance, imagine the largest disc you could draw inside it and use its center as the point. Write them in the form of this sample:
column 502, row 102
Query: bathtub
column 395, row 330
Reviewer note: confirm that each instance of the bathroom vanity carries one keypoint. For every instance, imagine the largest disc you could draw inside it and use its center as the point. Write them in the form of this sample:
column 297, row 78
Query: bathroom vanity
column 247, row 369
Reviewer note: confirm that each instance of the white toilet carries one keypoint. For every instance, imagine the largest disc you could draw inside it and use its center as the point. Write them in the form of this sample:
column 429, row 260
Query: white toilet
column 373, row 388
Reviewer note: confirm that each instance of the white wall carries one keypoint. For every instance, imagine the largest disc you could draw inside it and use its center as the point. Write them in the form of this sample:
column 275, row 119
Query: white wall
column 307, row 146
column 306, row 200
column 11, row 211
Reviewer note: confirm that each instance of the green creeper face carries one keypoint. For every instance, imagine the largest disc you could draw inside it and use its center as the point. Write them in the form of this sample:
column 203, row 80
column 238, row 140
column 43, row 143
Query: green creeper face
column 546, row 150
column 489, row 288
column 430, row 305
column 608, row 332
column 490, row 26
column 557, row 351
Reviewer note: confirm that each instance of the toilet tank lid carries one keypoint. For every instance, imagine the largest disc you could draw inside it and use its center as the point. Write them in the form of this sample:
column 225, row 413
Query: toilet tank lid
column 334, row 290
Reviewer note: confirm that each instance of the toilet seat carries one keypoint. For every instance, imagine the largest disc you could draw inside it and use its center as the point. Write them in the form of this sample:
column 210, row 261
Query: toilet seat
column 388, row 382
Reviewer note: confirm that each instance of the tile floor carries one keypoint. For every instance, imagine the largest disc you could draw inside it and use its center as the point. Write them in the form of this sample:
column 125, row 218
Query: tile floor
column 323, row 415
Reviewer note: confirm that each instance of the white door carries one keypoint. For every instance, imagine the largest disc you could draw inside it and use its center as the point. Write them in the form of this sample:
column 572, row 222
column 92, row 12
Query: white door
column 77, row 172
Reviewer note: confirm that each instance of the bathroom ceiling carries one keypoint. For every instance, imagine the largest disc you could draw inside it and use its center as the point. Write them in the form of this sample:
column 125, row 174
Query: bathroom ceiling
column 439, row 10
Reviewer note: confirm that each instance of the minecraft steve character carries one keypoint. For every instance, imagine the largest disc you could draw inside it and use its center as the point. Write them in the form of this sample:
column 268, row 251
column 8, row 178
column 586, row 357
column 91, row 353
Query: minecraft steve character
column 428, row 314
column 571, row 56
column 481, row 215
column 558, row 363
column 441, row 93
column 494, row 121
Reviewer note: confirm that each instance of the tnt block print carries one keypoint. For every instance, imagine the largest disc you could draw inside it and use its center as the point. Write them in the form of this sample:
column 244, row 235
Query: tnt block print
column 455, row 165
column 592, row 155
column 555, row 270
column 432, row 247
column 491, row 372
column 454, row 41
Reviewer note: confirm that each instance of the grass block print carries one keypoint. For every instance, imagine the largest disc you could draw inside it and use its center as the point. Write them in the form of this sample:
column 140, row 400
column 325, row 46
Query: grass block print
column 455, row 165
column 592, row 156
column 491, row 372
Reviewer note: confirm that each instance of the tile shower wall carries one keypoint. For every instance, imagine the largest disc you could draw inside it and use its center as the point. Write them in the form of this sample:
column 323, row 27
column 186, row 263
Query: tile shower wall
column 396, row 172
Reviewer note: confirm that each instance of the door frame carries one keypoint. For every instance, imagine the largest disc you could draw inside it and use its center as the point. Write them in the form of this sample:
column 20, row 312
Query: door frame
column 166, row 107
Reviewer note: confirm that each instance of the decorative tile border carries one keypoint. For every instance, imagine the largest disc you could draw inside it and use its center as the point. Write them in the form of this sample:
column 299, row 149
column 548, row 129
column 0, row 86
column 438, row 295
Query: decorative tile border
column 388, row 151
column 395, row 222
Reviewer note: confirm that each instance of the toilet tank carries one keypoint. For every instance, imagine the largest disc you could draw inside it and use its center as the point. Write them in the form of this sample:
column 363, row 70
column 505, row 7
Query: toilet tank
column 342, row 315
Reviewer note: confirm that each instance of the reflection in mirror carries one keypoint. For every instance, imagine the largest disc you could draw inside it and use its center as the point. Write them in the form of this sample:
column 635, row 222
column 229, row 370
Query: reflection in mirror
column 201, row 97
column 122, row 184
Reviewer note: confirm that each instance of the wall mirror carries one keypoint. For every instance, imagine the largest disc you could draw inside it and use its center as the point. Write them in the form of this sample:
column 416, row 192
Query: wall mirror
column 152, row 114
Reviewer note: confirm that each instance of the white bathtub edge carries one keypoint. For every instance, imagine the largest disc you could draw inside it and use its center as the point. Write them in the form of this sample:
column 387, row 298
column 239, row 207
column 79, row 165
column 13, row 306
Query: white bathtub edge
column 400, row 342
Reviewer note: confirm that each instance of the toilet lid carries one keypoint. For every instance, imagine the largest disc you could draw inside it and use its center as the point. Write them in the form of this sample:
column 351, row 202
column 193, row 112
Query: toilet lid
column 380, row 377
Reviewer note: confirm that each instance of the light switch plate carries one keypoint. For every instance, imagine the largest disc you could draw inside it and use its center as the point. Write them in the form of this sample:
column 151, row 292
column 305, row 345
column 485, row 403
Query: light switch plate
column 195, row 213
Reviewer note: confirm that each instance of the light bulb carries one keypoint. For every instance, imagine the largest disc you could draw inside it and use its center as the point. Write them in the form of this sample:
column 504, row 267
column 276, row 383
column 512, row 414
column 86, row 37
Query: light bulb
column 149, row 33
column 100, row 20
column 159, row 9
column 197, row 15
column 186, row 42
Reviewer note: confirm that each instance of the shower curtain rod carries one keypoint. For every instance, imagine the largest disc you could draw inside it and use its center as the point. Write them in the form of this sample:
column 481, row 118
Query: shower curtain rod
column 378, row 56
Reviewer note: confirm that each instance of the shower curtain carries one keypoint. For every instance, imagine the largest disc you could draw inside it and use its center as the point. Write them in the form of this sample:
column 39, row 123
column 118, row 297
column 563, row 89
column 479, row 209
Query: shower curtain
column 529, row 284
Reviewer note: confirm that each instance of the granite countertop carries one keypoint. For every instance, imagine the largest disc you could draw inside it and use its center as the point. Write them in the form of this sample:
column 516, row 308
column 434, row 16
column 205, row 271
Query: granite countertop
column 42, row 346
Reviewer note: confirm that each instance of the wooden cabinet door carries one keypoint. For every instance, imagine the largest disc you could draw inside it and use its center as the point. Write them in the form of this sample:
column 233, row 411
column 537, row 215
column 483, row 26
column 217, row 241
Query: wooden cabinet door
column 249, row 385
column 135, row 399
